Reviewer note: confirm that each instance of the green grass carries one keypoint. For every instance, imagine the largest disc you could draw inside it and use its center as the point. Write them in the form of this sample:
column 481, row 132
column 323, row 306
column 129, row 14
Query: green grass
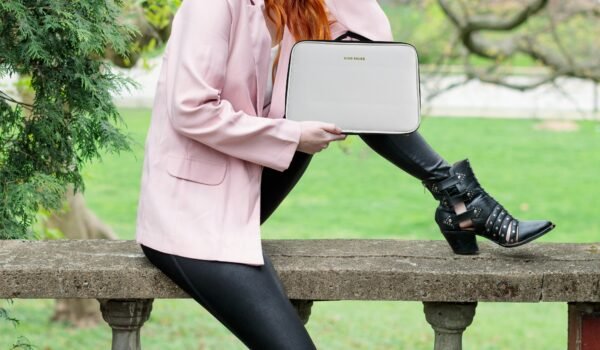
column 535, row 174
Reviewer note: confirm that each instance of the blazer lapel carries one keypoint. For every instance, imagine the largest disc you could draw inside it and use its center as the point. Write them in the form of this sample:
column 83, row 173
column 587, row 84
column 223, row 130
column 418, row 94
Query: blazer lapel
column 257, row 28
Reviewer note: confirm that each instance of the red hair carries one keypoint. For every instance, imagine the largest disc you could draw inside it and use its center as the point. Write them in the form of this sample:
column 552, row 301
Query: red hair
column 305, row 19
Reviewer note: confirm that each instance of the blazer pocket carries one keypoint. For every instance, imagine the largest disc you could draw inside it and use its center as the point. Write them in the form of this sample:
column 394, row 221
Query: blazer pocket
column 196, row 170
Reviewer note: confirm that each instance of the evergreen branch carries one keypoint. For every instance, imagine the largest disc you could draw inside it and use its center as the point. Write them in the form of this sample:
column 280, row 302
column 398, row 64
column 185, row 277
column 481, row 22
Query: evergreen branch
column 66, row 115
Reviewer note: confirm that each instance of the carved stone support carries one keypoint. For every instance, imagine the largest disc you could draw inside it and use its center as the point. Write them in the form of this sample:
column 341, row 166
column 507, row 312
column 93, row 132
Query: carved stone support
column 126, row 317
column 449, row 321
column 303, row 308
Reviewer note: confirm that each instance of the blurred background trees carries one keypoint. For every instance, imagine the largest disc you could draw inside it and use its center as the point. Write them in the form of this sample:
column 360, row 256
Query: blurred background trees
column 487, row 38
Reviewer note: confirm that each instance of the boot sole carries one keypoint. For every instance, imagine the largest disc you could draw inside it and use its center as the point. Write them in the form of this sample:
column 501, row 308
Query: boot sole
column 465, row 242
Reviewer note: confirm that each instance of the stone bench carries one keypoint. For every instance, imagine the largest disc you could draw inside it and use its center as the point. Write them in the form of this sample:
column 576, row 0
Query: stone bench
column 117, row 273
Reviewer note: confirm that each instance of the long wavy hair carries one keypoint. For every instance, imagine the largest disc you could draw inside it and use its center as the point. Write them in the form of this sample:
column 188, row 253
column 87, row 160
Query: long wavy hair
column 305, row 19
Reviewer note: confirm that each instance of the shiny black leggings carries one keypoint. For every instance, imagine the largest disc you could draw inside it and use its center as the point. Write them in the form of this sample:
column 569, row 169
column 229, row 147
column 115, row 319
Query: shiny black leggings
column 250, row 300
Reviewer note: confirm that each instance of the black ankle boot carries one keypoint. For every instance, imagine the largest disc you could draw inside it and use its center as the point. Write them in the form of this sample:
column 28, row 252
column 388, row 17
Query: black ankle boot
column 489, row 218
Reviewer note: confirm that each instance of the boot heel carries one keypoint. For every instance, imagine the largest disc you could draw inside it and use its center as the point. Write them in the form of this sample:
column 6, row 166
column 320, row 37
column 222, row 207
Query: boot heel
column 461, row 242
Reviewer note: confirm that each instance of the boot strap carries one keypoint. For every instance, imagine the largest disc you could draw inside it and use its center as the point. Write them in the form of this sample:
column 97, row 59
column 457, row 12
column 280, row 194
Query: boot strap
column 449, row 187
column 498, row 223
column 455, row 219
column 496, row 227
column 464, row 197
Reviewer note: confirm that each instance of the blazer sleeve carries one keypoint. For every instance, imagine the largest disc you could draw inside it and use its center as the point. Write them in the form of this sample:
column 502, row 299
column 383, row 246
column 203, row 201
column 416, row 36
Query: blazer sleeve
column 199, row 50
column 364, row 17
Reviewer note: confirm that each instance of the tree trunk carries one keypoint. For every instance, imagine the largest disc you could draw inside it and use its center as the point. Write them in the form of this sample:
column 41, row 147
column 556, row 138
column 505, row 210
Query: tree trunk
column 78, row 222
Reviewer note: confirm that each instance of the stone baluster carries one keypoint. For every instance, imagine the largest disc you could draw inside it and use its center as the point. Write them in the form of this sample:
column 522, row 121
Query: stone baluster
column 303, row 307
column 449, row 321
column 126, row 317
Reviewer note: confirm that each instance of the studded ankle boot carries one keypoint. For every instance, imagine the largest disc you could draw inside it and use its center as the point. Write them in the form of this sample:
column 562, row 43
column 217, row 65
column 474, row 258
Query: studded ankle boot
column 489, row 218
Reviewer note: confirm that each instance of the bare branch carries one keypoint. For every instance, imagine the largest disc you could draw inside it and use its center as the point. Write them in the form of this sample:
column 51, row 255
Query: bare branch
column 549, row 49
column 468, row 29
column 559, row 42
column 447, row 88
column 568, row 96
column 495, row 23
column 488, row 22
column 5, row 96
column 473, row 73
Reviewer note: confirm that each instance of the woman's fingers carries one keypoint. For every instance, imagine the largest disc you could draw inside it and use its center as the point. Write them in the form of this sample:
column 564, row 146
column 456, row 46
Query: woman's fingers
column 335, row 137
column 316, row 136
column 332, row 128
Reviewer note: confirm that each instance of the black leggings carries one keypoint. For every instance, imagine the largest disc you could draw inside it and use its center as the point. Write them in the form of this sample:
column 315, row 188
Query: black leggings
column 250, row 300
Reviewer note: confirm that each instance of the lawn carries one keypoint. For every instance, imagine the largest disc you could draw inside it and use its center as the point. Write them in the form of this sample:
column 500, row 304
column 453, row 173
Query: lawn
column 351, row 192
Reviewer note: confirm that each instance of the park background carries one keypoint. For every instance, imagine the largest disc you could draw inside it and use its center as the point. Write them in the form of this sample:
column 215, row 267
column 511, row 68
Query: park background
column 536, row 151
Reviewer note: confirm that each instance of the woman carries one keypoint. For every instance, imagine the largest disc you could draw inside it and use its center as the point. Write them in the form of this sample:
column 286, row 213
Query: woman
column 218, row 163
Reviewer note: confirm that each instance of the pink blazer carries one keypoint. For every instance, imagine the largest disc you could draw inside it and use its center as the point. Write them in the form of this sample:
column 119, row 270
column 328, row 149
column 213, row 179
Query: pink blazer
column 209, row 137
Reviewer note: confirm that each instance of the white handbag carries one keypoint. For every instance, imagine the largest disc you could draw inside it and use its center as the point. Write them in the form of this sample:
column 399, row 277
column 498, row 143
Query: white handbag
column 361, row 85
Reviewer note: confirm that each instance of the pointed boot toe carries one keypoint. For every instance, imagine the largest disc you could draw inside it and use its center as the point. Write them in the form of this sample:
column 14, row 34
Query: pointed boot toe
column 531, row 229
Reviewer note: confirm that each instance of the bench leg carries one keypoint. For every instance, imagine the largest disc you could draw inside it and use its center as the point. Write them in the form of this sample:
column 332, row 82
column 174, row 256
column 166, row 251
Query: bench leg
column 449, row 321
column 126, row 317
column 584, row 326
column 303, row 307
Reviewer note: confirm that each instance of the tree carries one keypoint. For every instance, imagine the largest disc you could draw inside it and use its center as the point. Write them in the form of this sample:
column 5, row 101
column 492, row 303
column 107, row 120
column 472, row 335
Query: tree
column 559, row 35
column 153, row 20
column 57, row 48
column 72, row 118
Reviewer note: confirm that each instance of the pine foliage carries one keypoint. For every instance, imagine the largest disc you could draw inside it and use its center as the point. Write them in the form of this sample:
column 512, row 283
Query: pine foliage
column 60, row 45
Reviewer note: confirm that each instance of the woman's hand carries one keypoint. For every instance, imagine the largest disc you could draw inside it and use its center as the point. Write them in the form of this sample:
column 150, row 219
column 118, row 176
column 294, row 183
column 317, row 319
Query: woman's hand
column 316, row 136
